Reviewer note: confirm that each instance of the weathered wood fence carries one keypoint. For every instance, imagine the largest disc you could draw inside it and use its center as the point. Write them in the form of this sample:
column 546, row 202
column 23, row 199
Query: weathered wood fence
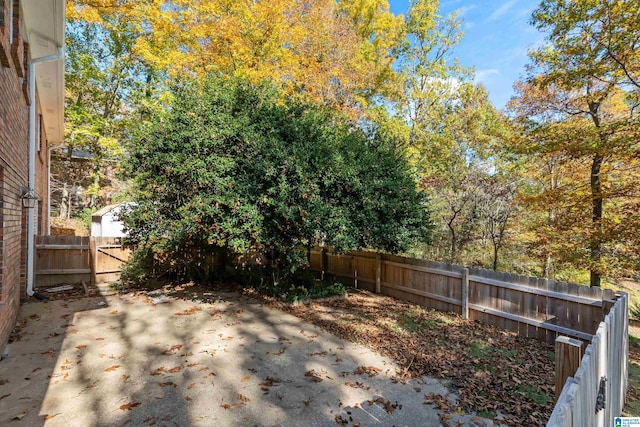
column 74, row 259
column 594, row 395
column 543, row 309
column 538, row 308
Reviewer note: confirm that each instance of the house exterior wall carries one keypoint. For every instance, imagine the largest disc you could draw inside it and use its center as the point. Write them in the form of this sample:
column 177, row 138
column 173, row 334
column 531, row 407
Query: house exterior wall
column 14, row 154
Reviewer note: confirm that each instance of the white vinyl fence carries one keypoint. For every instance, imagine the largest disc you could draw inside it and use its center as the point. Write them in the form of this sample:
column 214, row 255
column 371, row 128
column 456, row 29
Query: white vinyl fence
column 595, row 395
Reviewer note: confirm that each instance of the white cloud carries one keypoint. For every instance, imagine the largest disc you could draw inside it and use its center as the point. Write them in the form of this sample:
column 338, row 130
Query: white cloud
column 464, row 9
column 482, row 75
column 501, row 11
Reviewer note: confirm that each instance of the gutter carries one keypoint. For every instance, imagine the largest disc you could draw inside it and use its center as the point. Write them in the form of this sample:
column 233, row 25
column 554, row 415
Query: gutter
column 31, row 217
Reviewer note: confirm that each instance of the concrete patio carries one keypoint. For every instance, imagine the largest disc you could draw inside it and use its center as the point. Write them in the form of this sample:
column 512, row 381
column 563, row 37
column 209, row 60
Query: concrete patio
column 219, row 359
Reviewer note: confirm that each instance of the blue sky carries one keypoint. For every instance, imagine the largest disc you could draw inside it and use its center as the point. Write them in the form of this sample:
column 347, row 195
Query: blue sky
column 497, row 36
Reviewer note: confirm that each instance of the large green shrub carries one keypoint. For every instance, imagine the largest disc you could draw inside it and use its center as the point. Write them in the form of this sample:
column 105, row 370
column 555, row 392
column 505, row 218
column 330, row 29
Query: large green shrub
column 231, row 166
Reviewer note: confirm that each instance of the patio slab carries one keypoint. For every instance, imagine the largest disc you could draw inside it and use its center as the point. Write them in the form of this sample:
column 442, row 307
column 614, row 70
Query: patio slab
column 229, row 361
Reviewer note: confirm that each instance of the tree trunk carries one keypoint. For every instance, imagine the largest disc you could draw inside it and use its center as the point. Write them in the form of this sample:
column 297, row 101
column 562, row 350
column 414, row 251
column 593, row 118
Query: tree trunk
column 596, row 195
column 495, row 256
column 548, row 267
column 596, row 198
column 65, row 208
column 452, row 255
column 65, row 201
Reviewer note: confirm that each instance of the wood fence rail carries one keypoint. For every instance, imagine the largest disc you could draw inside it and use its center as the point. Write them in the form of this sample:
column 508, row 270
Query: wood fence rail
column 74, row 259
column 537, row 308
column 594, row 396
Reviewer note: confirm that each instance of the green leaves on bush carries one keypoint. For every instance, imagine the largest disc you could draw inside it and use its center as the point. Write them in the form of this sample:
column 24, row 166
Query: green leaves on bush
column 231, row 167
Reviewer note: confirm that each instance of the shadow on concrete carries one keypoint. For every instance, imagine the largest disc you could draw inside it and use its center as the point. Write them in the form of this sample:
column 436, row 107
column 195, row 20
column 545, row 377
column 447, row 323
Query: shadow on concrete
column 203, row 357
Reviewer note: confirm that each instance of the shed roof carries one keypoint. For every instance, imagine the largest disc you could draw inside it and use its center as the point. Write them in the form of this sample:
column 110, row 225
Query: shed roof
column 102, row 212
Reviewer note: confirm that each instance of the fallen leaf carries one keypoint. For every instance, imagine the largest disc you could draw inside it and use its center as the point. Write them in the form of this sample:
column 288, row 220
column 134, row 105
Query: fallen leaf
column 372, row 371
column 173, row 348
column 166, row 384
column 114, row 312
column 161, row 370
column 19, row 416
column 129, row 406
column 354, row 385
column 48, row 417
column 112, row 368
column 341, row 421
column 313, row 376
column 245, row 379
column 188, row 312
column 188, row 398
column 234, row 406
column 270, row 382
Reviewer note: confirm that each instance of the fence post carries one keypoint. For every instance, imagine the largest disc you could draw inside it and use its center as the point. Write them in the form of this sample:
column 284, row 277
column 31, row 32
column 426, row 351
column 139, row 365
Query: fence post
column 465, row 293
column 93, row 259
column 323, row 262
column 568, row 357
column 378, row 273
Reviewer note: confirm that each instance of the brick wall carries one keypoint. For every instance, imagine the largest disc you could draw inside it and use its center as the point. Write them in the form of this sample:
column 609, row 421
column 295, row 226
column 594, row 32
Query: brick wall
column 14, row 152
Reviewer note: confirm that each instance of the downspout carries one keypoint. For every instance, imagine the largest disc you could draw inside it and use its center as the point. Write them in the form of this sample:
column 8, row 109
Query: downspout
column 31, row 216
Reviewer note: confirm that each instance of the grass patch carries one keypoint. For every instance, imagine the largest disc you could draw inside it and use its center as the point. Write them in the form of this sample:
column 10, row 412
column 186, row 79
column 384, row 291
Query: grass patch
column 411, row 324
column 487, row 414
column 534, row 394
column 479, row 350
column 632, row 406
column 507, row 353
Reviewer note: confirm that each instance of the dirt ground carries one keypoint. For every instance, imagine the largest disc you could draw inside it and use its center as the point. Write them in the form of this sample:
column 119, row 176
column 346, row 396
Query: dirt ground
column 195, row 356
column 496, row 373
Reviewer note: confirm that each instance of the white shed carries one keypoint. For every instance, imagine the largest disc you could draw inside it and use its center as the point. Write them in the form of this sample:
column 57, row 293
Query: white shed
column 106, row 222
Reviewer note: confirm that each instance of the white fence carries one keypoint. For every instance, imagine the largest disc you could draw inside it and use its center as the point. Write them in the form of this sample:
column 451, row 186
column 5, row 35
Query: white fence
column 595, row 395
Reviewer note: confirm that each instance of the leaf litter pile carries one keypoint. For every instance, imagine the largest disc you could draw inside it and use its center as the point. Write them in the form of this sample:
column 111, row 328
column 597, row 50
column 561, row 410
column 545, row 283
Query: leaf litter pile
column 497, row 374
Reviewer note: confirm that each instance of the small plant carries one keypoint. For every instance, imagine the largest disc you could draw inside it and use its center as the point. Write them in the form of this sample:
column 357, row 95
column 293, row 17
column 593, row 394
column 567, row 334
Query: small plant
column 534, row 394
column 634, row 307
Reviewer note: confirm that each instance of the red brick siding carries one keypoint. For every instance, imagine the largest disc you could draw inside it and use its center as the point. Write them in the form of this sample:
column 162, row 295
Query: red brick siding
column 4, row 33
column 14, row 153
column 14, row 120
column 17, row 50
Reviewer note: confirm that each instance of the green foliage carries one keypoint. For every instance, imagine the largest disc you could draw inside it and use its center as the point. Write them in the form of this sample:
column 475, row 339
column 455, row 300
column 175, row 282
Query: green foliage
column 230, row 166
column 295, row 292
column 85, row 216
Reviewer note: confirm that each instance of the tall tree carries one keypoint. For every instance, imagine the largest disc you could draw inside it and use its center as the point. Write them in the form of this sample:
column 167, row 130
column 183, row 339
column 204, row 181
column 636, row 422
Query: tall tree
column 107, row 90
column 576, row 102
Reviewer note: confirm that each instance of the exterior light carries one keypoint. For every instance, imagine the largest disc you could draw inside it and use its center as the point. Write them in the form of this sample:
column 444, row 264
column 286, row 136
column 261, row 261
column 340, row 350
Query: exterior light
column 29, row 198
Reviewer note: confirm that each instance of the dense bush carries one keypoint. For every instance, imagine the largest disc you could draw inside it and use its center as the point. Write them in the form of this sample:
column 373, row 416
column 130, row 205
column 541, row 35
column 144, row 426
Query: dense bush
column 230, row 166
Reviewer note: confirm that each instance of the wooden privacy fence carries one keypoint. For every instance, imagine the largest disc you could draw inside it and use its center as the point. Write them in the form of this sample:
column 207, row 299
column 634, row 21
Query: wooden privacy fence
column 74, row 259
column 536, row 308
column 594, row 395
